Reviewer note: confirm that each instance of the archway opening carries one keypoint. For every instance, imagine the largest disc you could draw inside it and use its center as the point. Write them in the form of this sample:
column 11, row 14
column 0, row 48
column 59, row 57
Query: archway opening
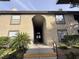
column 38, row 23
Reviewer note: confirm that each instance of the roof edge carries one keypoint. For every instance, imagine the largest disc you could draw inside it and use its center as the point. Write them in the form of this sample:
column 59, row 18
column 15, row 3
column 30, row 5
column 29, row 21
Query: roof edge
column 39, row 12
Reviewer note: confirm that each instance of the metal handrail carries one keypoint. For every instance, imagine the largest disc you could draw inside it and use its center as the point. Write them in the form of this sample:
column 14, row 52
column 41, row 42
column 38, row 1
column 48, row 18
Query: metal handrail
column 55, row 48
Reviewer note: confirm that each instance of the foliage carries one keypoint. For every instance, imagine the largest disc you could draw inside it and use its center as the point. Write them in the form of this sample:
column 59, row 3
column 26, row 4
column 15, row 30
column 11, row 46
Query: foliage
column 71, row 55
column 17, row 45
column 7, row 51
column 63, row 46
column 75, row 46
column 71, row 39
column 74, row 5
column 8, row 54
column 20, row 41
column 1, row 51
column 4, row 41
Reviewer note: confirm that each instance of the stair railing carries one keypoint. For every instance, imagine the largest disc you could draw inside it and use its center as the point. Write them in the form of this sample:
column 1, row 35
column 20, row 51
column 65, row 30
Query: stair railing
column 55, row 49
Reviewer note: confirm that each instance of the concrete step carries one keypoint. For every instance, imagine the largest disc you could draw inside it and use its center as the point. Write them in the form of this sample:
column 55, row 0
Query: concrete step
column 40, row 53
column 31, row 55
column 42, row 58
column 40, row 50
column 33, row 46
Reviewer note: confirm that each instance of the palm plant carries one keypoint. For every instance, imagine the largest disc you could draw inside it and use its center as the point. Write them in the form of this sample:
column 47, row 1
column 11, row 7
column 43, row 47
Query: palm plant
column 17, row 46
column 20, row 41
column 20, row 44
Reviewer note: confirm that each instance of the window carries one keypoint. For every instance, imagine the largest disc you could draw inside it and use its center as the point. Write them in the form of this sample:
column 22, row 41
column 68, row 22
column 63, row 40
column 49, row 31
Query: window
column 15, row 19
column 61, row 34
column 76, row 17
column 12, row 33
column 60, row 19
column 38, row 36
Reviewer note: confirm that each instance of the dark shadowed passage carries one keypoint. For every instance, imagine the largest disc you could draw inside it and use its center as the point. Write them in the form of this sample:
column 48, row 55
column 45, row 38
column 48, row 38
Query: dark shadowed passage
column 38, row 22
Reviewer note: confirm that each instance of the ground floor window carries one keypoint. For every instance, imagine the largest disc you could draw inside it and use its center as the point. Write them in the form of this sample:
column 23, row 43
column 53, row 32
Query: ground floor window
column 61, row 33
column 12, row 33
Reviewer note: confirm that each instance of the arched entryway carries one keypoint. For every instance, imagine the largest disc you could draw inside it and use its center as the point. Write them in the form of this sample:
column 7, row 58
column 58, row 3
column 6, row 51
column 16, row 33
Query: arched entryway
column 38, row 23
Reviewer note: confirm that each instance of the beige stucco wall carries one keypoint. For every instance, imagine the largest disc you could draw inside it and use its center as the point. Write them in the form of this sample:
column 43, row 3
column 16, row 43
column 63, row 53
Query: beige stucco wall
column 24, row 26
column 70, row 22
column 49, row 31
column 50, row 34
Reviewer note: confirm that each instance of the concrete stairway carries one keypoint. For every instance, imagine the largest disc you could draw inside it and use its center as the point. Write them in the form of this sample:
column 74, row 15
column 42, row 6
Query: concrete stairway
column 40, row 52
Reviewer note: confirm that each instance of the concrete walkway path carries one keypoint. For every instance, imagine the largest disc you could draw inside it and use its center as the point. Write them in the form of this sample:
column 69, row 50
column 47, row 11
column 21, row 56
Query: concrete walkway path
column 40, row 52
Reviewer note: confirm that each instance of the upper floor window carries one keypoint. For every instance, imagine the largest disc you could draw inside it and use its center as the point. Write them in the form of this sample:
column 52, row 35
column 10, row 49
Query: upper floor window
column 61, row 33
column 15, row 19
column 60, row 19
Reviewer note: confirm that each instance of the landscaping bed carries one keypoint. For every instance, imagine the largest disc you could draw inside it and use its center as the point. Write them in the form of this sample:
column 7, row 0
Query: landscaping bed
column 15, row 47
column 69, row 47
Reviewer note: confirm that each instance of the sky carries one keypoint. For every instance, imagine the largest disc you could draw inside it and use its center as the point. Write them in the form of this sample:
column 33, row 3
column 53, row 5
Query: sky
column 35, row 5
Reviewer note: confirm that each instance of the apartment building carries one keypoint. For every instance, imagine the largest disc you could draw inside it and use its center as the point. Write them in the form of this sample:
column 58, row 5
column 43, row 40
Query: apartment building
column 44, row 27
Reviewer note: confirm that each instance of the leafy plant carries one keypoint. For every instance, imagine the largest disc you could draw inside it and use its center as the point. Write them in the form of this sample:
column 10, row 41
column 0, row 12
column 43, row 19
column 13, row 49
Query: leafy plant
column 75, row 46
column 4, row 41
column 20, row 41
column 17, row 46
column 8, row 54
column 71, row 39
column 63, row 46
column 70, row 55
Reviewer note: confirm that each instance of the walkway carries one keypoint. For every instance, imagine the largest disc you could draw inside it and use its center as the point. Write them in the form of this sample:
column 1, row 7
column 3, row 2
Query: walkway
column 40, row 52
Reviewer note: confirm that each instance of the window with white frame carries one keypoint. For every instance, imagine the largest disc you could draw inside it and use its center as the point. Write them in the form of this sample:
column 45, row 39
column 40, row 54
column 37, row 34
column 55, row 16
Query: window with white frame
column 60, row 19
column 61, row 33
column 12, row 33
column 15, row 19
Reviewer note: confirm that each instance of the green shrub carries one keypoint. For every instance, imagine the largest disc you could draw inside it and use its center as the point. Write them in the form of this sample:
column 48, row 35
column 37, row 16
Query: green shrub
column 17, row 46
column 63, row 46
column 71, row 39
column 1, row 51
column 75, row 46
column 20, row 41
column 70, row 55
column 4, row 41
